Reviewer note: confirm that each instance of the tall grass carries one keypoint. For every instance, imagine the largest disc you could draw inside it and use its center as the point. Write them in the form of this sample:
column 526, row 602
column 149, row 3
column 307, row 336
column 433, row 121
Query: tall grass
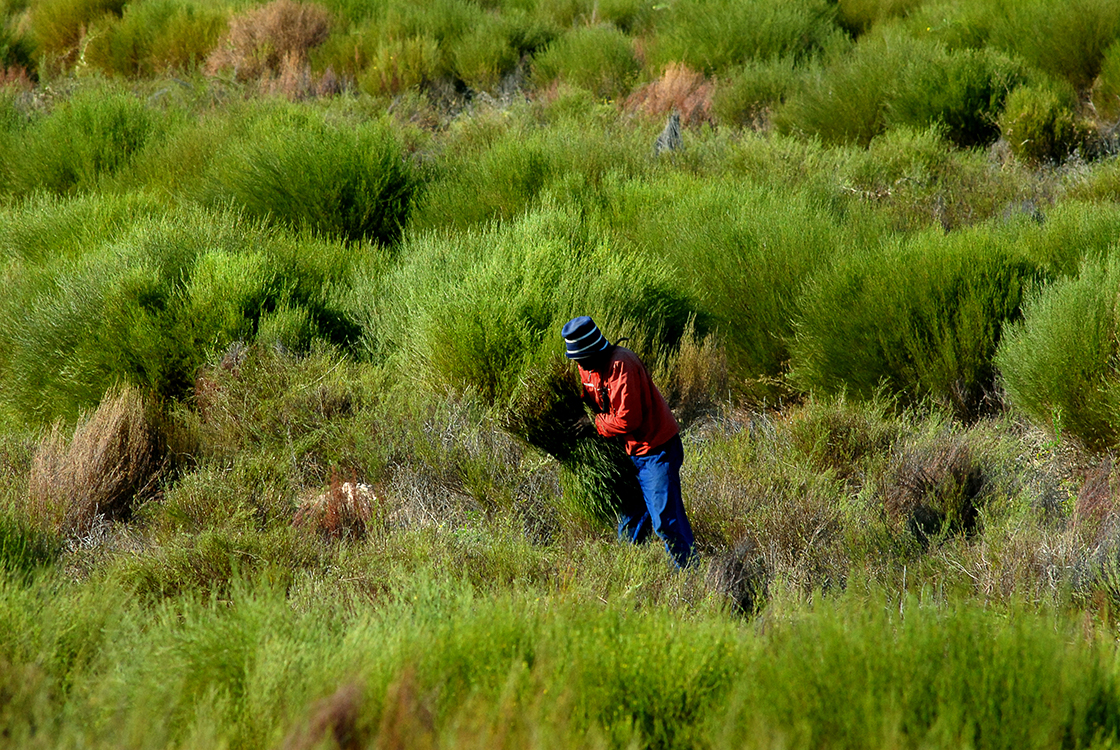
column 437, row 665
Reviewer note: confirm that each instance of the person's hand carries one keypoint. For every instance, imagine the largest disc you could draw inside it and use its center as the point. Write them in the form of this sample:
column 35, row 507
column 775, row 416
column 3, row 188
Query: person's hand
column 583, row 428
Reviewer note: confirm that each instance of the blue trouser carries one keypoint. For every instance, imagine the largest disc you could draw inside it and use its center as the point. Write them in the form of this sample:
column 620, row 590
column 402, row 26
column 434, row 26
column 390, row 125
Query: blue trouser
column 659, row 475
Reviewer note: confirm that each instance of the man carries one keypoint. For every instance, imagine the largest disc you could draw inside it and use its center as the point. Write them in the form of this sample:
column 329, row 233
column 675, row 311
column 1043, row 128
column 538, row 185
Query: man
column 618, row 388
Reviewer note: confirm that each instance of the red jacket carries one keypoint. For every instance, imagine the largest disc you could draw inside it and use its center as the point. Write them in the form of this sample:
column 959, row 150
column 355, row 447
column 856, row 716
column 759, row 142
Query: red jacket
column 630, row 405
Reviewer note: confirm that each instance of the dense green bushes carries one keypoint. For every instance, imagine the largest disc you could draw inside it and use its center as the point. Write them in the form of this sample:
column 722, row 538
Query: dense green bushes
column 746, row 268
column 348, row 184
column 715, row 35
column 1059, row 364
column 85, row 139
column 151, row 304
column 475, row 309
column 920, row 319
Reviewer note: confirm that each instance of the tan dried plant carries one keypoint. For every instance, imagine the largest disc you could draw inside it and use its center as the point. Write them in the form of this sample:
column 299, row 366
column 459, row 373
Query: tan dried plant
column 112, row 461
column 264, row 41
column 679, row 89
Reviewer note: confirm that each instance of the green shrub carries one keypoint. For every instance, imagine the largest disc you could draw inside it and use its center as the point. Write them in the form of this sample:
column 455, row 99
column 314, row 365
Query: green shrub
column 1073, row 233
column 92, row 135
column 844, row 98
column 598, row 58
column 963, row 91
column 58, row 27
column 920, row 319
column 715, row 35
column 400, row 64
column 22, row 549
column 15, row 47
column 486, row 53
column 151, row 305
column 1106, row 89
column 1065, row 38
column 858, row 16
column 1040, row 125
column 475, row 309
column 500, row 171
column 1059, row 363
column 352, row 184
column 46, row 228
column 156, row 36
column 753, row 90
column 745, row 269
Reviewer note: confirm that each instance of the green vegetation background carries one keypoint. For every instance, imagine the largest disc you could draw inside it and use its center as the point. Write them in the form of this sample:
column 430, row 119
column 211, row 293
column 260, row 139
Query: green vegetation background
column 282, row 395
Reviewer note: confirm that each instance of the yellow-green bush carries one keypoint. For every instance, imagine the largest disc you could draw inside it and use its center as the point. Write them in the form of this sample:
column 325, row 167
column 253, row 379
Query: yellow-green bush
column 1040, row 125
column 920, row 318
column 1059, row 364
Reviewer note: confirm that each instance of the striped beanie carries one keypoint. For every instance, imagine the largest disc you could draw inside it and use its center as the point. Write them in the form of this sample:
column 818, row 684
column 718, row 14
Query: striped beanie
column 583, row 338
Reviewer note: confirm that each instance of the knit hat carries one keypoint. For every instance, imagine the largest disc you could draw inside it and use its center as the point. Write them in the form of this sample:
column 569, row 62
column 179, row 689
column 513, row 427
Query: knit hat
column 583, row 338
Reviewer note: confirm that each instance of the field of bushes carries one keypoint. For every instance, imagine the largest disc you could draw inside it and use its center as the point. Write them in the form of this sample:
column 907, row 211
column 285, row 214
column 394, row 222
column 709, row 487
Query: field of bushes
column 284, row 459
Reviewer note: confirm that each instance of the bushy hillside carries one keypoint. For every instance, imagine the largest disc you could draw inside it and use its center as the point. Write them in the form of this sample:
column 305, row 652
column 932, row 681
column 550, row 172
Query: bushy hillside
column 286, row 455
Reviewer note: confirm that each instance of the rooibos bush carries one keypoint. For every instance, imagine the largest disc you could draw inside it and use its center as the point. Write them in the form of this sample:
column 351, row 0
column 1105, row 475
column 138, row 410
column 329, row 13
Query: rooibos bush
column 713, row 35
column 352, row 184
column 598, row 475
column 598, row 58
column 963, row 91
column 151, row 305
column 473, row 310
column 745, row 269
column 156, row 36
column 1106, row 89
column 921, row 318
column 1059, row 364
column 92, row 135
column 1040, row 125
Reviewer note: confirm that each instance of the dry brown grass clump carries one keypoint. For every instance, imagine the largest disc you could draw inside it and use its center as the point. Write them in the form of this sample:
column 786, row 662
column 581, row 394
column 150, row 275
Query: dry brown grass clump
column 937, row 488
column 348, row 509
column 679, row 88
column 113, row 460
column 271, row 41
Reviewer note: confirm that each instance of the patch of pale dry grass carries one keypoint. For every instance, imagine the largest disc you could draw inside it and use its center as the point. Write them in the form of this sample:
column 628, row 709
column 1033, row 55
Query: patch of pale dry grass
column 114, row 458
column 272, row 40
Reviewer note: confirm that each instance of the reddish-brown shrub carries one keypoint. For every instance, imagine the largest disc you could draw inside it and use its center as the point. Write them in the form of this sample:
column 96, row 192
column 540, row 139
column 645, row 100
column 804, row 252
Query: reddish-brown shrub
column 115, row 458
column 679, row 88
column 15, row 76
column 264, row 40
column 346, row 509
